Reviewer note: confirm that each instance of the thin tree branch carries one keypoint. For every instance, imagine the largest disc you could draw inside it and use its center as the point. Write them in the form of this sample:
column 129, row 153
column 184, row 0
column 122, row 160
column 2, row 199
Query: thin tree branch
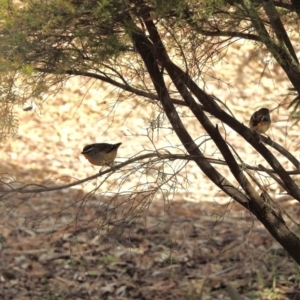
column 278, row 27
column 273, row 176
column 144, row 47
column 152, row 96
column 244, row 131
column 232, row 34
column 157, row 156
column 199, row 113
column 279, row 52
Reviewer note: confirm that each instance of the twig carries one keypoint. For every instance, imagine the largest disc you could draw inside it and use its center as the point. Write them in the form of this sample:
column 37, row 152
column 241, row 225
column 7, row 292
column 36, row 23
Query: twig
column 157, row 156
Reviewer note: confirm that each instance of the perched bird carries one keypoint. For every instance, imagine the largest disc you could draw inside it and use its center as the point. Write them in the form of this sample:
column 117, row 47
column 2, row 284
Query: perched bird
column 260, row 121
column 101, row 154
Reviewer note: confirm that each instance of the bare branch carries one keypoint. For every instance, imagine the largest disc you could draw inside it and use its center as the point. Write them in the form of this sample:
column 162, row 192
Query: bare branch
column 278, row 27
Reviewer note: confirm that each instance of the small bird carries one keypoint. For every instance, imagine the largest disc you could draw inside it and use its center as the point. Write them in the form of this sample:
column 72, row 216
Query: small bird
column 260, row 121
column 101, row 154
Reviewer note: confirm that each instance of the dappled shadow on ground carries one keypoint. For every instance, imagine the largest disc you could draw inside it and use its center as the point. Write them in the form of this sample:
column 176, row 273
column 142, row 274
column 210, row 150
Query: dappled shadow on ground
column 65, row 245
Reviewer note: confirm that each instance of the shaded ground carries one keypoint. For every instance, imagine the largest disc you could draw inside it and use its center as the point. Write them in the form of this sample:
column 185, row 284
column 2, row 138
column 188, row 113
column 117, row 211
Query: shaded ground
column 81, row 243
column 176, row 252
